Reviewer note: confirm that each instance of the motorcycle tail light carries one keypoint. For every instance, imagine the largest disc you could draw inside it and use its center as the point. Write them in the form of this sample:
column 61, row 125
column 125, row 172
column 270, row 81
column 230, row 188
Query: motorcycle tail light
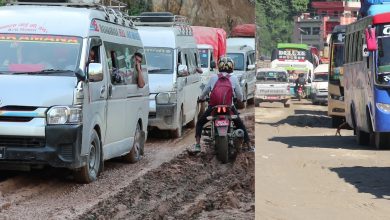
column 219, row 110
column 224, row 109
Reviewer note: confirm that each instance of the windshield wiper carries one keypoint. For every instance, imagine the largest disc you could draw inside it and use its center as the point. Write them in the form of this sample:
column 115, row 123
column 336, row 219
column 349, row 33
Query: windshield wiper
column 45, row 71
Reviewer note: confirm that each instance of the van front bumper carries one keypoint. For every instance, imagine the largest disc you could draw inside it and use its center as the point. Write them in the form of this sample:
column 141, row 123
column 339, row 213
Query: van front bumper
column 60, row 147
column 164, row 118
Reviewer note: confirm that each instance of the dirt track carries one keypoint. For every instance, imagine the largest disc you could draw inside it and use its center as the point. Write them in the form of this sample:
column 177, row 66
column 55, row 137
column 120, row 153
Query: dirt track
column 194, row 186
column 303, row 171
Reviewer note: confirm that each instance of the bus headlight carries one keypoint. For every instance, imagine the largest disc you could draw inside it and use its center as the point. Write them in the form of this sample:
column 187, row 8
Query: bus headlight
column 64, row 115
column 383, row 107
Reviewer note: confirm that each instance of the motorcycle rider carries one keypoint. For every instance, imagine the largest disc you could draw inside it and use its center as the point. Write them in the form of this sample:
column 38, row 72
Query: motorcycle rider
column 226, row 67
column 300, row 81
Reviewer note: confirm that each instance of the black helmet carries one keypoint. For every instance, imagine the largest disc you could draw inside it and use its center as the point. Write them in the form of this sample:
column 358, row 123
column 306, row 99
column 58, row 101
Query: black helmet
column 226, row 64
column 301, row 75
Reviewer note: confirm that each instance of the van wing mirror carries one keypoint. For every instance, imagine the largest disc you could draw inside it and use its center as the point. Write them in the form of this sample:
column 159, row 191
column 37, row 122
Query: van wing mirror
column 182, row 70
column 365, row 51
column 95, row 72
column 372, row 44
column 80, row 75
column 251, row 67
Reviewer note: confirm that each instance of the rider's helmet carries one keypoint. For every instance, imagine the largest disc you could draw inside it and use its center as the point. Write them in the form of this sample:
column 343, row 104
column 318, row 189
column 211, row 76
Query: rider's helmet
column 301, row 75
column 226, row 64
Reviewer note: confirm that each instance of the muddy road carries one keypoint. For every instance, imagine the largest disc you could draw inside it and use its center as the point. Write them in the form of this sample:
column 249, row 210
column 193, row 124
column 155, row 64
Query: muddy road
column 304, row 171
column 165, row 183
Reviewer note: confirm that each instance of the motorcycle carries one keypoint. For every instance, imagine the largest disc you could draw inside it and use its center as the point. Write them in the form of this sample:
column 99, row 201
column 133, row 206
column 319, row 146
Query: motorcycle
column 301, row 92
column 223, row 134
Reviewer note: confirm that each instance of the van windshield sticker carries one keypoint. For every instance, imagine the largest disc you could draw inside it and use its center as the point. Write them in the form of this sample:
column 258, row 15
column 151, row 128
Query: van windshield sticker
column 157, row 50
column 40, row 38
column 24, row 27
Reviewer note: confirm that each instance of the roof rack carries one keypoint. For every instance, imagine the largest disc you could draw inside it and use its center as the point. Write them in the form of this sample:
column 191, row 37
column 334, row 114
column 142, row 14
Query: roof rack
column 115, row 10
column 159, row 19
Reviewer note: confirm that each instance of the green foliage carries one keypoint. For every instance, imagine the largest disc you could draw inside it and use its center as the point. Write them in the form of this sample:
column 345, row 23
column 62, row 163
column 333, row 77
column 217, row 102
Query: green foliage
column 136, row 7
column 275, row 22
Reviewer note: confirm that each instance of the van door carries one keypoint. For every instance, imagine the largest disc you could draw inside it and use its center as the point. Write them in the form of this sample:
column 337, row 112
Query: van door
column 251, row 76
column 192, row 88
column 116, row 132
column 96, row 92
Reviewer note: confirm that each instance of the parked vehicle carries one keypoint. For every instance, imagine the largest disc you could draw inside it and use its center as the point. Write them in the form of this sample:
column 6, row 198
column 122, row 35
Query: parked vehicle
column 173, row 60
column 272, row 85
column 212, row 45
column 244, row 68
column 366, row 77
column 59, row 105
column 226, row 138
column 319, row 85
column 336, row 105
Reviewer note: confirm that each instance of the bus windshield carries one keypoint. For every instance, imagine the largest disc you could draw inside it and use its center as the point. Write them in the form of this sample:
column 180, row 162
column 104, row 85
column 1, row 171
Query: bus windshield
column 271, row 76
column 39, row 54
column 337, row 61
column 160, row 60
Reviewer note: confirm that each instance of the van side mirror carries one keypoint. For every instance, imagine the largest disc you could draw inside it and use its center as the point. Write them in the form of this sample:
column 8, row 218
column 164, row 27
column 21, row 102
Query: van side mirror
column 309, row 80
column 365, row 51
column 213, row 65
column 182, row 70
column 95, row 72
column 251, row 67
column 372, row 44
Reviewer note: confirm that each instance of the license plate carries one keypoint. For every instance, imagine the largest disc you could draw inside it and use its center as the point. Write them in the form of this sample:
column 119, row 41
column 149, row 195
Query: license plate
column 2, row 152
column 220, row 123
column 273, row 97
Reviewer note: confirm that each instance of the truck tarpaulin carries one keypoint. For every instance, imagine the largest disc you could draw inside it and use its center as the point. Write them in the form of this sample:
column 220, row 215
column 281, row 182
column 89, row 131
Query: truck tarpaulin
column 216, row 37
column 244, row 30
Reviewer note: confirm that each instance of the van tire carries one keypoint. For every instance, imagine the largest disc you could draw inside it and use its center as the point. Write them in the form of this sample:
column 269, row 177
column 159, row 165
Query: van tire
column 192, row 123
column 90, row 172
column 135, row 153
column 242, row 105
column 178, row 132
column 382, row 140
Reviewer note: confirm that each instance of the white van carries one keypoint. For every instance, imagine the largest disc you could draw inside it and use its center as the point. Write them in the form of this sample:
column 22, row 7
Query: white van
column 173, row 61
column 244, row 58
column 319, row 84
column 207, row 62
column 59, row 104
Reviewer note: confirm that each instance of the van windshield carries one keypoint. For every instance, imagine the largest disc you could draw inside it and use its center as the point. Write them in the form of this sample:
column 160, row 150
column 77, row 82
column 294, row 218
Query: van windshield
column 238, row 59
column 160, row 60
column 39, row 54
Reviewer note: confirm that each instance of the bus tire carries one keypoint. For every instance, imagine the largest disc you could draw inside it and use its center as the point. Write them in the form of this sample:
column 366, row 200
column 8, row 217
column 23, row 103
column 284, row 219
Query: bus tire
column 382, row 140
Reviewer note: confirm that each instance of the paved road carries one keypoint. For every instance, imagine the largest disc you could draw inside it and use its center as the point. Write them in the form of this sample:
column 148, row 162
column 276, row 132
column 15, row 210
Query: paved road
column 303, row 171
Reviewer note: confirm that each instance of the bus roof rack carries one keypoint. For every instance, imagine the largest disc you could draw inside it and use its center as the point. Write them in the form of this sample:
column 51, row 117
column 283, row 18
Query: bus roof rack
column 115, row 10
column 159, row 19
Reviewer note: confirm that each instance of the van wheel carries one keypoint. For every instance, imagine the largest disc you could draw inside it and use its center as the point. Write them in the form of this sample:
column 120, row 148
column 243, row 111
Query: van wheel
column 91, row 170
column 363, row 138
column 242, row 105
column 136, row 151
column 192, row 123
column 178, row 132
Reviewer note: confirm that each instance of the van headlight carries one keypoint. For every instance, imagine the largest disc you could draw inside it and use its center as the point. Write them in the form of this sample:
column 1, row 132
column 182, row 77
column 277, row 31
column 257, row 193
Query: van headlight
column 166, row 98
column 59, row 115
column 383, row 107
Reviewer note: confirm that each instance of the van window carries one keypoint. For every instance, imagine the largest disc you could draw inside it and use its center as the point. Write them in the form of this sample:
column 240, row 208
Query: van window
column 160, row 60
column 120, row 60
column 196, row 59
column 204, row 57
column 34, row 53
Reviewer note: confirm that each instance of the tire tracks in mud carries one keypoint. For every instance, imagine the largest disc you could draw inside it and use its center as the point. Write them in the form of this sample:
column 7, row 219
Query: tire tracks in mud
column 56, row 196
column 186, row 188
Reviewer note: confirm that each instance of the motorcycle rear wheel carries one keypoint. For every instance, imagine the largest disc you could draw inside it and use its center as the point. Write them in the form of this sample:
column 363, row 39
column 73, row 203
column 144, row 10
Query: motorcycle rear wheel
column 222, row 147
